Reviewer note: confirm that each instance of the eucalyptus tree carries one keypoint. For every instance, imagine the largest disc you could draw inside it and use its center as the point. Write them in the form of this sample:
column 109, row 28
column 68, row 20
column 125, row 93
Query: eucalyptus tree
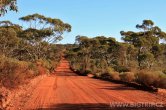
column 84, row 50
column 6, row 5
column 45, row 28
column 103, row 50
column 97, row 52
column 9, row 24
column 42, row 32
column 9, row 39
column 6, row 23
column 147, row 41
column 12, row 44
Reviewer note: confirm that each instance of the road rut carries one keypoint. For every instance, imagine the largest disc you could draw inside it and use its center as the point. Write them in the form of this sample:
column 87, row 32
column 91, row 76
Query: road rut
column 66, row 90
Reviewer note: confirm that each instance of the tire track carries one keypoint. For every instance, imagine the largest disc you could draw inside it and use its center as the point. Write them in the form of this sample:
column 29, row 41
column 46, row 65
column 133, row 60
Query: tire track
column 67, row 91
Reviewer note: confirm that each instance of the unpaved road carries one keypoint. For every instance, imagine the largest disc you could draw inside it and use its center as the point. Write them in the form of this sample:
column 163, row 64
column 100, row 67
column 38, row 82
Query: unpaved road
column 65, row 90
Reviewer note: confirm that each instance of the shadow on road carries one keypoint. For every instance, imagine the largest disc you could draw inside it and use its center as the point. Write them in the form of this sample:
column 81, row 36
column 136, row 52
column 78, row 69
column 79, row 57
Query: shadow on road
column 90, row 106
column 122, row 87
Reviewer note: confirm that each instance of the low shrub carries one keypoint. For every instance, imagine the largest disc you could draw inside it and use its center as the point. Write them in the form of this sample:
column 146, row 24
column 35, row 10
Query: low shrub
column 46, row 65
column 105, row 76
column 81, row 72
column 127, row 76
column 162, row 82
column 164, row 71
column 86, row 72
column 33, row 67
column 14, row 72
column 121, row 69
column 114, row 76
column 110, row 70
column 148, row 78
column 98, row 74
column 144, row 77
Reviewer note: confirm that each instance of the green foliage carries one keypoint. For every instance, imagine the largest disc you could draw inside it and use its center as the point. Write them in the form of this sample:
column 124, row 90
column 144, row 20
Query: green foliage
column 32, row 49
column 122, row 69
column 109, row 59
column 146, row 60
column 30, row 44
column 7, row 4
column 21, row 49
column 147, row 42
column 8, row 40
column 96, row 53
column 35, row 35
column 50, row 29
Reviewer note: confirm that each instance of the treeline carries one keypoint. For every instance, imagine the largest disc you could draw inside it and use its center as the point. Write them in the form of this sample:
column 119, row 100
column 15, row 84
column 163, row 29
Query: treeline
column 29, row 51
column 140, row 58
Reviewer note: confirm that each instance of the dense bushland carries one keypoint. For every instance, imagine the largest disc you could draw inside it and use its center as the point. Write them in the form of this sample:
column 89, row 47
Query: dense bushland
column 13, row 72
column 27, row 52
column 140, row 59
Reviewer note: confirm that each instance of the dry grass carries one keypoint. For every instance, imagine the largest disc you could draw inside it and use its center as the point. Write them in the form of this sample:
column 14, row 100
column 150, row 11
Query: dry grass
column 113, row 74
column 151, row 78
column 127, row 76
column 14, row 72
column 46, row 66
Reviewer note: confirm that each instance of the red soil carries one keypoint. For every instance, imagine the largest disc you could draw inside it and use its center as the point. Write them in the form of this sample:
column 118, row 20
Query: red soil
column 66, row 90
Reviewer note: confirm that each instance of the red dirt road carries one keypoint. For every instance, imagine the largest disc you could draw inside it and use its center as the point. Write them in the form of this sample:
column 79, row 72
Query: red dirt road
column 66, row 90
